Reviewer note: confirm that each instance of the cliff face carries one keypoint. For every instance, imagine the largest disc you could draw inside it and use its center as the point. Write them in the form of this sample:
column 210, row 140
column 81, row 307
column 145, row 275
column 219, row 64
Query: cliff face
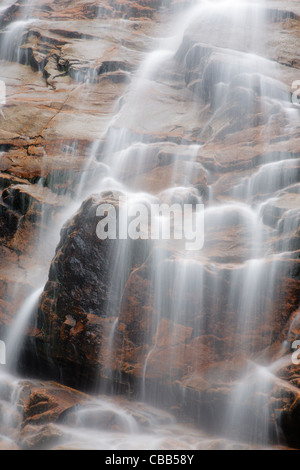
column 53, row 115
column 63, row 89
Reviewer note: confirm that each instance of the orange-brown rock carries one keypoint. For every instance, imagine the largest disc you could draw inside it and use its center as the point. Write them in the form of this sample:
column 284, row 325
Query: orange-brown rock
column 52, row 117
column 76, row 313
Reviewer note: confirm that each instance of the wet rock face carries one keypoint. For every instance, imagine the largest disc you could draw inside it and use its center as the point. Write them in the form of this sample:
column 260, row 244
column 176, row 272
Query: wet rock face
column 74, row 66
column 31, row 412
column 79, row 303
column 52, row 119
column 185, row 337
column 192, row 342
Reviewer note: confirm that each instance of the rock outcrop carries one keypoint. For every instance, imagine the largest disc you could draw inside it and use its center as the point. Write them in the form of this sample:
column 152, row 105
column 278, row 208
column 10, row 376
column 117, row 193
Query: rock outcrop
column 77, row 312
column 30, row 420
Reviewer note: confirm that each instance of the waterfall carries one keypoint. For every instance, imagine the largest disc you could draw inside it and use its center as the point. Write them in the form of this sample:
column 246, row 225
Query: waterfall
column 16, row 332
column 199, row 334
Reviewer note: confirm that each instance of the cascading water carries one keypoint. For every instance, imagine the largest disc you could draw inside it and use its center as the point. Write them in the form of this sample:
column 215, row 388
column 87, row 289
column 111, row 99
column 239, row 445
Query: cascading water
column 211, row 306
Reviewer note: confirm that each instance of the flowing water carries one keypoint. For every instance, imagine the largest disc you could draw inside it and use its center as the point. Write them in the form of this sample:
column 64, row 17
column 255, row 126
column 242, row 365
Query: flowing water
column 248, row 287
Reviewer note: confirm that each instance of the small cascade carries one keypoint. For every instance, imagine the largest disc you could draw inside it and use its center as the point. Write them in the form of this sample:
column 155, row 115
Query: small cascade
column 14, row 35
column 21, row 323
column 10, row 46
column 256, row 386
